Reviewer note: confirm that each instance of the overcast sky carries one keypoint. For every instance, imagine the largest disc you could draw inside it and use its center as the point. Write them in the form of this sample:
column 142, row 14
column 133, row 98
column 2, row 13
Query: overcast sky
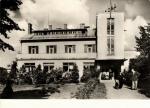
column 74, row 12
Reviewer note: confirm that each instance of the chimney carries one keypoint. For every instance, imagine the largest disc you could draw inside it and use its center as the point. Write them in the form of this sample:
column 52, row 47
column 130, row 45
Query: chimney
column 65, row 26
column 29, row 28
column 82, row 25
column 50, row 27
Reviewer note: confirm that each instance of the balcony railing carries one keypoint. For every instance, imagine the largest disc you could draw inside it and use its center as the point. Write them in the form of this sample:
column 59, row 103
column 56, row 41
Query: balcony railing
column 58, row 56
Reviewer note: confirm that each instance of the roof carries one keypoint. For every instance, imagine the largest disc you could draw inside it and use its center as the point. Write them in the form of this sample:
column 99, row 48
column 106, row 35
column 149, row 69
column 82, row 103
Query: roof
column 39, row 38
column 60, row 29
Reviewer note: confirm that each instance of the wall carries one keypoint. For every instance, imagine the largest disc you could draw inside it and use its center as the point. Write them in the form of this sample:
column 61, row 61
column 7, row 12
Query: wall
column 102, row 36
column 57, row 63
column 60, row 50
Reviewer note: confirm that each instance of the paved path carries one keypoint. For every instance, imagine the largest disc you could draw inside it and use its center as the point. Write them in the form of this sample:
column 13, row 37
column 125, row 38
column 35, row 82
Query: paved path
column 124, row 93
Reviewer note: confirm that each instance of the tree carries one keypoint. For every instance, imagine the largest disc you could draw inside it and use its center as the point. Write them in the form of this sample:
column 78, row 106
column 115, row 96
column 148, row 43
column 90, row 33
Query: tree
column 13, row 71
column 143, row 46
column 142, row 62
column 3, row 75
column 143, row 42
column 75, row 74
column 6, row 23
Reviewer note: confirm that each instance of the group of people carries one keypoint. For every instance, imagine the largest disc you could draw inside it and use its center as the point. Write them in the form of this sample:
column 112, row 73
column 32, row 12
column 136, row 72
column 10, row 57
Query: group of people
column 119, row 80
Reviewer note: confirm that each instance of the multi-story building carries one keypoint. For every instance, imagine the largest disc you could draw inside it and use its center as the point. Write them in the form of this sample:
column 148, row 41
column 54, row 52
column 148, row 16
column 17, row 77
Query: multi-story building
column 62, row 47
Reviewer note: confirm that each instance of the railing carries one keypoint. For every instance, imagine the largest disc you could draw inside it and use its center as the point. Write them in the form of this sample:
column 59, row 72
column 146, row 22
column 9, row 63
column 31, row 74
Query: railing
column 58, row 56
column 58, row 37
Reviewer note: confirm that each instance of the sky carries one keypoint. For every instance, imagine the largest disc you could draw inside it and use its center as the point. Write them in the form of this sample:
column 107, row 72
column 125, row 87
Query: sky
column 73, row 12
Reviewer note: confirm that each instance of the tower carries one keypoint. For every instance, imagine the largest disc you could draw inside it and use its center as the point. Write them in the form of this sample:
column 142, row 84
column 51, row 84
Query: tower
column 110, row 40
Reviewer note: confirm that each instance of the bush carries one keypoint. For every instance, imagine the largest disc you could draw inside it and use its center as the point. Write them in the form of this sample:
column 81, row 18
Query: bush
column 3, row 75
column 13, row 71
column 75, row 74
column 140, row 64
column 85, row 91
column 72, row 76
column 86, row 75
column 55, row 76
column 27, row 79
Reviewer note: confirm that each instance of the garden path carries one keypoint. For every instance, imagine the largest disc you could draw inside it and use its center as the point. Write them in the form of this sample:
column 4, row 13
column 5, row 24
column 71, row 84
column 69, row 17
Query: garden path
column 124, row 93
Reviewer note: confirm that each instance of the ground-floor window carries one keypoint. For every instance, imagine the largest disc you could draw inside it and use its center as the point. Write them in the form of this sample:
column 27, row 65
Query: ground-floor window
column 88, row 65
column 48, row 66
column 30, row 67
column 67, row 66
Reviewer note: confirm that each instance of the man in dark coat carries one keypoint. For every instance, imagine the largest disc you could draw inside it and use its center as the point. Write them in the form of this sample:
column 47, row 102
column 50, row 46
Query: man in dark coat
column 134, row 78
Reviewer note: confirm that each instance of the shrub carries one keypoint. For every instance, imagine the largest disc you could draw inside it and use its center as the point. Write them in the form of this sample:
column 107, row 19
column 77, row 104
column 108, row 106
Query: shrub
column 13, row 71
column 3, row 75
column 27, row 79
column 71, row 76
column 85, row 91
column 86, row 75
column 75, row 74
column 55, row 76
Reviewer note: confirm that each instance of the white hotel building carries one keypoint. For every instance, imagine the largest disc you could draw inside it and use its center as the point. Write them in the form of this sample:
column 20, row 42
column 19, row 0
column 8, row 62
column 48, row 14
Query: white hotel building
column 62, row 47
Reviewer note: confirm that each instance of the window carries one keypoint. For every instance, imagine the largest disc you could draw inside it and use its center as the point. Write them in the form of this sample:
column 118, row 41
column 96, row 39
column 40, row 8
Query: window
column 51, row 49
column 110, row 26
column 30, row 67
column 110, row 36
column 88, row 65
column 110, row 45
column 90, row 48
column 48, row 66
column 70, row 49
column 33, row 50
column 68, row 66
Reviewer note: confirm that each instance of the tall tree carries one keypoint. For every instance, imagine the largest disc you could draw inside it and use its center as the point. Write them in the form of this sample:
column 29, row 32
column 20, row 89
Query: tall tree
column 6, row 23
column 143, row 42
column 142, row 63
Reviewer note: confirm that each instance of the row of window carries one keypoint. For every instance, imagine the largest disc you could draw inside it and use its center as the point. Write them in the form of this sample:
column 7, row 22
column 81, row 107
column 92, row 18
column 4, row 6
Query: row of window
column 52, row 49
column 58, row 32
column 67, row 66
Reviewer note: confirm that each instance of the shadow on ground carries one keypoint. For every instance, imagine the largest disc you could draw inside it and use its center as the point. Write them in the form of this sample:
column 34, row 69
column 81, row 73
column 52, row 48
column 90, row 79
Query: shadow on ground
column 145, row 92
column 28, row 94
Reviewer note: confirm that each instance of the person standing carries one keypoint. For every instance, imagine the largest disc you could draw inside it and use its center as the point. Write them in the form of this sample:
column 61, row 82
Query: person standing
column 116, row 78
column 134, row 78
column 120, row 80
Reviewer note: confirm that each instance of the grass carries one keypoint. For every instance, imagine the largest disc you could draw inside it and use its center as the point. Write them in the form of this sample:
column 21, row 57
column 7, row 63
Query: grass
column 90, row 90
column 30, row 92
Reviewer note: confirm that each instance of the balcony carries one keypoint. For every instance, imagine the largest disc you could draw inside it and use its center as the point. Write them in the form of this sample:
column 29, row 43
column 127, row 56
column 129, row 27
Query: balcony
column 57, row 56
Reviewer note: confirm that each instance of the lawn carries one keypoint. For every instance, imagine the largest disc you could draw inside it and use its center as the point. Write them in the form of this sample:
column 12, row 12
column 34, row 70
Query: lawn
column 90, row 90
column 31, row 92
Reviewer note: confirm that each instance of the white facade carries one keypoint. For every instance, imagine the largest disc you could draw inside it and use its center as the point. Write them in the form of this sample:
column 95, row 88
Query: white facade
column 60, row 57
column 84, row 46
column 102, row 48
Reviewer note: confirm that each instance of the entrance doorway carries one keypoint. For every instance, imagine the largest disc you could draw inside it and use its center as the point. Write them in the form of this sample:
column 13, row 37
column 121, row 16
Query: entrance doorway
column 110, row 69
